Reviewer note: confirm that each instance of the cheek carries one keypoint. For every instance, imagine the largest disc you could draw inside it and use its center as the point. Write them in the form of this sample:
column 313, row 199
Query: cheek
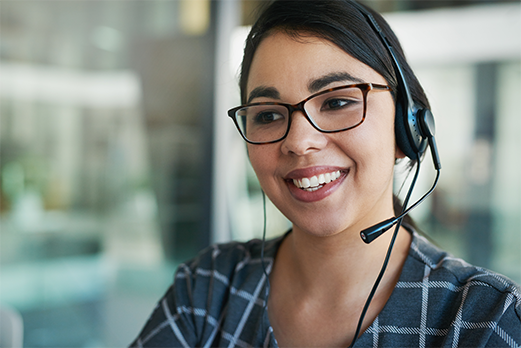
column 380, row 127
column 262, row 159
column 374, row 137
column 373, row 146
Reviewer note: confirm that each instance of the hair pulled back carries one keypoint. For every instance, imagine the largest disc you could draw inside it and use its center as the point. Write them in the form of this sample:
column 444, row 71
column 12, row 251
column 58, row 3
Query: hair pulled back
column 340, row 22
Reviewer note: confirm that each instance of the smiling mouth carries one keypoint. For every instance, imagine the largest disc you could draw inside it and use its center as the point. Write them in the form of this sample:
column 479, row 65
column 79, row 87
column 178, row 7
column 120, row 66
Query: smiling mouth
column 316, row 182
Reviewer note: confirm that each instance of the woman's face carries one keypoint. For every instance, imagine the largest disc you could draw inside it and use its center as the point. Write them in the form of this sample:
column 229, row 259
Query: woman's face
column 359, row 161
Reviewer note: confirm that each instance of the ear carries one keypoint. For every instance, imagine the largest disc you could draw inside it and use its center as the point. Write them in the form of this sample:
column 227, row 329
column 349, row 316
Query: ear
column 398, row 153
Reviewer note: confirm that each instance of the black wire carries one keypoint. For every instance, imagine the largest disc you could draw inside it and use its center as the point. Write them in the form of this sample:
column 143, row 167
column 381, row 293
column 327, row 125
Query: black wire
column 387, row 257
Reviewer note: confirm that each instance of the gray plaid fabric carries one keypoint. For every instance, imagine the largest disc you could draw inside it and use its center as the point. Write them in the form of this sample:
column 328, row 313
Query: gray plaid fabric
column 217, row 300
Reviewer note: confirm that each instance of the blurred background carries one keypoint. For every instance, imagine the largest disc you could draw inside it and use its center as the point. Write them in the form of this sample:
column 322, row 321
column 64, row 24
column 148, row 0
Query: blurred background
column 118, row 161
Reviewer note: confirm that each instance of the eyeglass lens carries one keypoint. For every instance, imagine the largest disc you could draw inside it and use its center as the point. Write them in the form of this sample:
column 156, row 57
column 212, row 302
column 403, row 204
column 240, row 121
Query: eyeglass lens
column 332, row 111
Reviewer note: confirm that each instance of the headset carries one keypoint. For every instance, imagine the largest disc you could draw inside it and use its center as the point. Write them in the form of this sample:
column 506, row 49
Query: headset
column 414, row 129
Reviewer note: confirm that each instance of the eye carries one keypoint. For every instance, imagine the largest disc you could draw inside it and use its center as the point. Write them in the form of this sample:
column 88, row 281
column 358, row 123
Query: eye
column 336, row 104
column 267, row 117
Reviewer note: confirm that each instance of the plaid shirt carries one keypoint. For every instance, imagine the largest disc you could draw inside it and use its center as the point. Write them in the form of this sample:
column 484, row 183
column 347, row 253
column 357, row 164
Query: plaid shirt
column 217, row 300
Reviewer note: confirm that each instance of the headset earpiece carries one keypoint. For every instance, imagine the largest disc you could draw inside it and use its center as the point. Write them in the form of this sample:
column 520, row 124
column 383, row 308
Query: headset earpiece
column 428, row 128
column 410, row 137
column 427, row 125
column 416, row 136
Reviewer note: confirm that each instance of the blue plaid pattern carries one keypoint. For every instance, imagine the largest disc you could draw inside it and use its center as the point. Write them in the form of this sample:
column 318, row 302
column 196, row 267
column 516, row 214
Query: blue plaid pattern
column 217, row 300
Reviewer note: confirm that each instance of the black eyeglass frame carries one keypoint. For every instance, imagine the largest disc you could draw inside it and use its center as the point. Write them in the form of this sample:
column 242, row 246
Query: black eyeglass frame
column 364, row 88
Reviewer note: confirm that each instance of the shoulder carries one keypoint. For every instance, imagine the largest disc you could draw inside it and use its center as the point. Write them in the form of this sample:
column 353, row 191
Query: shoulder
column 458, row 272
column 228, row 259
column 210, row 293
column 443, row 301
column 223, row 269
column 469, row 297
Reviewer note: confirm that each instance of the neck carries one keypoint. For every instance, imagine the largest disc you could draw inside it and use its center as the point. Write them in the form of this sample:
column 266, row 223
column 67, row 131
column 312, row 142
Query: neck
column 319, row 286
column 343, row 263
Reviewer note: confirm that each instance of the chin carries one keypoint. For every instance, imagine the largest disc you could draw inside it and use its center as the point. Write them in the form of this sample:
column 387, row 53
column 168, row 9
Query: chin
column 322, row 229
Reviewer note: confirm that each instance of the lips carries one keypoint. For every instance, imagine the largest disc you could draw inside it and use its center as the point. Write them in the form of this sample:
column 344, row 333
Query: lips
column 316, row 182
column 313, row 184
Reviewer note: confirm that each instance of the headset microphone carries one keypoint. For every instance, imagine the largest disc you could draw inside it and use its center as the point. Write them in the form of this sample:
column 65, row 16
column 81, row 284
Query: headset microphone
column 414, row 128
column 426, row 121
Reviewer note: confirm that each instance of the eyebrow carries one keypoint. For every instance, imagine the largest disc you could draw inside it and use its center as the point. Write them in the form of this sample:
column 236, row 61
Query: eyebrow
column 316, row 85
column 263, row 91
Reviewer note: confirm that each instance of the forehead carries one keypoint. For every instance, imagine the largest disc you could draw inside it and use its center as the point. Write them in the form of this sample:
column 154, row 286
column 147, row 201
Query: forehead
column 291, row 64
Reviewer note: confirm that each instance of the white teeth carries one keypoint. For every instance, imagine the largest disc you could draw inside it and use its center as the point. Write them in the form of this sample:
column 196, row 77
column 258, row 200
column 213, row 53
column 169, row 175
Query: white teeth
column 327, row 177
column 314, row 183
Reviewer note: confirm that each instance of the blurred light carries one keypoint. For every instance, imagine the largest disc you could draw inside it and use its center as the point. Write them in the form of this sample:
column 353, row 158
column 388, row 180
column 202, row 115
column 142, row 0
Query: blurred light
column 195, row 16
column 70, row 87
column 13, row 179
column 107, row 38
column 481, row 158
column 459, row 35
column 237, row 43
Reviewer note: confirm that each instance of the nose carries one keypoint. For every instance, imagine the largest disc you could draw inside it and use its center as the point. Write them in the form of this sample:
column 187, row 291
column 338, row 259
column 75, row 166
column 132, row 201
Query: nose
column 302, row 137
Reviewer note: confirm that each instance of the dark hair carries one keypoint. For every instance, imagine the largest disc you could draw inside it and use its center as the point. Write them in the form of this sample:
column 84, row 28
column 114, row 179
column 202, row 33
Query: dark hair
column 342, row 23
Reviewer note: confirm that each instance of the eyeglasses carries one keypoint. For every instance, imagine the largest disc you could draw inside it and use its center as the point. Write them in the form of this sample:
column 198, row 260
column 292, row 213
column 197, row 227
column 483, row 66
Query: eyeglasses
column 333, row 110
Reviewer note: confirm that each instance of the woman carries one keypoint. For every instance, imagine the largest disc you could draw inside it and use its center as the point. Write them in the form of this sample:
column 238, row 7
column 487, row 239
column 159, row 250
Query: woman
column 322, row 97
